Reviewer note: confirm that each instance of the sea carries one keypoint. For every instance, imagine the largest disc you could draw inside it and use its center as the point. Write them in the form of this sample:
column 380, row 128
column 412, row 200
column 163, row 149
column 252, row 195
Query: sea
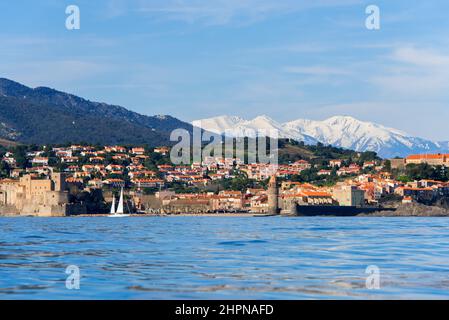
column 189, row 257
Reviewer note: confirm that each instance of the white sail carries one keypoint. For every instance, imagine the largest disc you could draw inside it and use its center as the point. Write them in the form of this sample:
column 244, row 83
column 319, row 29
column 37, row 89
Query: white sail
column 113, row 205
column 120, row 204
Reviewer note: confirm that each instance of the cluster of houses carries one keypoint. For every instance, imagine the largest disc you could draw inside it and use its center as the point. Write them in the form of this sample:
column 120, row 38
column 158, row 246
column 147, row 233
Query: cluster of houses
column 89, row 167
column 359, row 191
column 117, row 165
column 86, row 166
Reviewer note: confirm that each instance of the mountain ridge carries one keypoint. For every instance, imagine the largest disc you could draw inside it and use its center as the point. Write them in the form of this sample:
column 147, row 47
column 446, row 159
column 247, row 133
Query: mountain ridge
column 44, row 115
column 340, row 131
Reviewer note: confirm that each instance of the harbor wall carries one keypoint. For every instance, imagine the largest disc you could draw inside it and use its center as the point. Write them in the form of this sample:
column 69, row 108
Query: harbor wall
column 30, row 209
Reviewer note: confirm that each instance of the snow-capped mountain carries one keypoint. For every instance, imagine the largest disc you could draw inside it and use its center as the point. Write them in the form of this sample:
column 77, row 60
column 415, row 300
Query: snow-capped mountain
column 259, row 126
column 340, row 131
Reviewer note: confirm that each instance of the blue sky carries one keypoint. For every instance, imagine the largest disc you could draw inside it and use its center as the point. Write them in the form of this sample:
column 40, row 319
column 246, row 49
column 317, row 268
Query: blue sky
column 287, row 59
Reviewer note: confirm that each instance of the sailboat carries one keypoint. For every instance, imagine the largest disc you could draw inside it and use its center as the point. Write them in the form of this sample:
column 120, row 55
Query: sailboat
column 119, row 213
column 113, row 204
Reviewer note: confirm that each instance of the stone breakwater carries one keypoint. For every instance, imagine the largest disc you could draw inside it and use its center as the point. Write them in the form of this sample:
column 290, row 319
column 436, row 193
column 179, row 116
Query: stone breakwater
column 412, row 210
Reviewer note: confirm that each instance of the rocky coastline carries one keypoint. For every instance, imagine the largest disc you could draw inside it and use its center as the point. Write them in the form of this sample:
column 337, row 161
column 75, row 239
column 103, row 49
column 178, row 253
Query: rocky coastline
column 411, row 210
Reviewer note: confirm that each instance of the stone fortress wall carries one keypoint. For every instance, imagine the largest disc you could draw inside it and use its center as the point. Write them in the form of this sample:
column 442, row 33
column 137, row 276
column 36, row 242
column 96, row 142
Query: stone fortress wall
column 37, row 197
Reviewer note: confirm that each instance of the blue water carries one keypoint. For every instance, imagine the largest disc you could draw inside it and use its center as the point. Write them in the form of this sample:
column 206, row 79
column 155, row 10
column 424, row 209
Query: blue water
column 224, row 258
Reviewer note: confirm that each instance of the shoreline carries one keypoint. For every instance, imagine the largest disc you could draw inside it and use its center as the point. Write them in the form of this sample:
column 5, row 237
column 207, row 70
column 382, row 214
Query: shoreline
column 411, row 210
column 172, row 215
column 402, row 210
column 381, row 214
column 93, row 215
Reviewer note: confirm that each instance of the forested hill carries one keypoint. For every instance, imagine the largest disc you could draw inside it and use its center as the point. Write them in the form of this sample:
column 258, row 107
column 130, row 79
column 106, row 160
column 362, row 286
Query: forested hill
column 47, row 116
column 291, row 151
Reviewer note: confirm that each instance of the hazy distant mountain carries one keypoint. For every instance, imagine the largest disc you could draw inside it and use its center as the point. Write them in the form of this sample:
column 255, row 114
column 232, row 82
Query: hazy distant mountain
column 340, row 131
column 43, row 115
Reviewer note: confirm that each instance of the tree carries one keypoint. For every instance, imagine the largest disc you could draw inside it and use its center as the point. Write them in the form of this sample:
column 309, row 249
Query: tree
column 149, row 191
column 403, row 179
column 5, row 169
column 425, row 171
column 387, row 165
column 368, row 156
column 20, row 155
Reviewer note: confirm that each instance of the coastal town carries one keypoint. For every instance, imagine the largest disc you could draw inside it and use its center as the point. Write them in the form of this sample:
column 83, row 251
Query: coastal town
column 84, row 179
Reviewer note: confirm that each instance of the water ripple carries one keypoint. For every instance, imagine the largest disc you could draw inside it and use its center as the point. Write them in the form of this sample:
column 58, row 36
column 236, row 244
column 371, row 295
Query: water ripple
column 237, row 258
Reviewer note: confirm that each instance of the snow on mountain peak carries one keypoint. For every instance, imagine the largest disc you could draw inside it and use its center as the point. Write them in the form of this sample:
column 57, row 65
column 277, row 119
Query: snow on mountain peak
column 341, row 119
column 218, row 124
column 340, row 131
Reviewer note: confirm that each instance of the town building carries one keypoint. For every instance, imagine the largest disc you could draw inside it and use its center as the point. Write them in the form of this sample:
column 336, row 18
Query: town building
column 347, row 195
column 431, row 159
column 397, row 163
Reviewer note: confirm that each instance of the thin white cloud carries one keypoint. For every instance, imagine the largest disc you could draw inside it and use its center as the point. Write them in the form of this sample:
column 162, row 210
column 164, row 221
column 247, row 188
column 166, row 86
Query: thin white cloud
column 116, row 8
column 301, row 48
column 415, row 72
column 316, row 70
column 221, row 12
column 7, row 40
column 420, row 57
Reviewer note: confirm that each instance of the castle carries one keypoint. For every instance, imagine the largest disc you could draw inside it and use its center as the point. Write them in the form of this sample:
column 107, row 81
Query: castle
column 37, row 197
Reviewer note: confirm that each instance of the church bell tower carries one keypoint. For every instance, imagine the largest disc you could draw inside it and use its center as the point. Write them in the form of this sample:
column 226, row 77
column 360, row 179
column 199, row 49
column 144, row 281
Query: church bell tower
column 273, row 194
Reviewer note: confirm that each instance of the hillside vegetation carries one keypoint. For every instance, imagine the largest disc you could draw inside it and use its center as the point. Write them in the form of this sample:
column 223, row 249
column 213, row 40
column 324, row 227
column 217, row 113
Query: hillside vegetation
column 46, row 116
